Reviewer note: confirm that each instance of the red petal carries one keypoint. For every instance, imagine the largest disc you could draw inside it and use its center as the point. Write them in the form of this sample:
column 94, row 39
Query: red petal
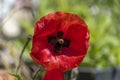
column 54, row 75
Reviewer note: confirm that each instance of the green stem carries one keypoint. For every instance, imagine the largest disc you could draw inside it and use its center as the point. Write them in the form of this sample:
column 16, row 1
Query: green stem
column 35, row 75
column 21, row 54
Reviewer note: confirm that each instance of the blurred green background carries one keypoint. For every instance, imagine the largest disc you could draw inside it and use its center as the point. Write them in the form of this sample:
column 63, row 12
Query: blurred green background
column 101, row 16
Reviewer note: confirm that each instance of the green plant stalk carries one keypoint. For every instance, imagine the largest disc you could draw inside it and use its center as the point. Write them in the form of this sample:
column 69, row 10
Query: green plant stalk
column 35, row 75
column 21, row 55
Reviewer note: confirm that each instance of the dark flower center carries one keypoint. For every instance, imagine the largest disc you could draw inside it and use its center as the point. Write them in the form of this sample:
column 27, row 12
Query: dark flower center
column 58, row 41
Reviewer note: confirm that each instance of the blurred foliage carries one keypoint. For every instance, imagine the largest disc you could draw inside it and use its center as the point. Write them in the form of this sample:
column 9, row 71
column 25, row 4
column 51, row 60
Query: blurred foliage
column 18, row 77
column 102, row 17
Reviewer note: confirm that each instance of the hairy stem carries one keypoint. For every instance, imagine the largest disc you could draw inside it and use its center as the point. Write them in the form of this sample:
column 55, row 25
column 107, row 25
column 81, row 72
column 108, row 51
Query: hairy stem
column 35, row 75
column 21, row 54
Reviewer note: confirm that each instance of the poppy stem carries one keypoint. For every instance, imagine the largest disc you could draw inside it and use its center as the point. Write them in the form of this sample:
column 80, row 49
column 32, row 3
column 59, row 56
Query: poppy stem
column 21, row 54
column 35, row 75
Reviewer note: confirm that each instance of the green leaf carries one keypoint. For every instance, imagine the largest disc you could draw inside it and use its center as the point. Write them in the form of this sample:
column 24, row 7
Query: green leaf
column 17, row 76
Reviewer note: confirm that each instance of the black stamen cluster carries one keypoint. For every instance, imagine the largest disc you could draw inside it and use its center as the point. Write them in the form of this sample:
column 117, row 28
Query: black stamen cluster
column 58, row 41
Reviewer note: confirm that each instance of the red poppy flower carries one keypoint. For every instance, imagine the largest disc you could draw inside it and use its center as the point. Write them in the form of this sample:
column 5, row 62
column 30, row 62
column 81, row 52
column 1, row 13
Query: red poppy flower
column 60, row 43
